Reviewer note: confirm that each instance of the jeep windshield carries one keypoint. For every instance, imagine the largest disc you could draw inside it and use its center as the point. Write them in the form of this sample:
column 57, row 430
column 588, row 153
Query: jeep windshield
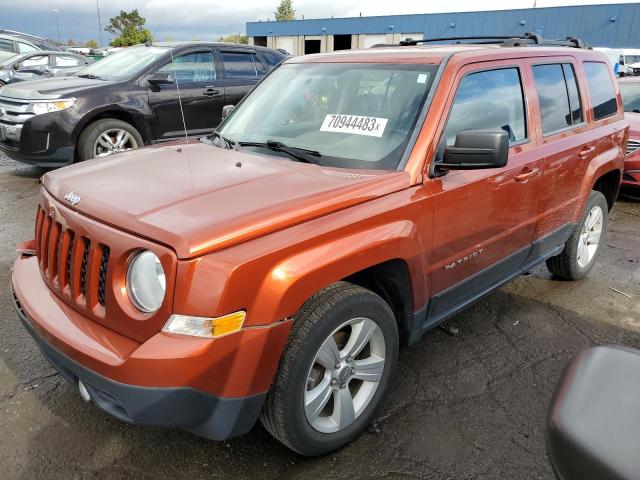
column 350, row 115
column 124, row 64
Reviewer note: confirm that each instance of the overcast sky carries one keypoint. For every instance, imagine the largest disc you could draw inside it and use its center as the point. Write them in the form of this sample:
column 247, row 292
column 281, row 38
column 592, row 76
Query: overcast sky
column 209, row 19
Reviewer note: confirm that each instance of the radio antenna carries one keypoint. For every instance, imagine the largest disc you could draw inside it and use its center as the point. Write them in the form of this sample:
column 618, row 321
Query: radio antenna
column 184, row 123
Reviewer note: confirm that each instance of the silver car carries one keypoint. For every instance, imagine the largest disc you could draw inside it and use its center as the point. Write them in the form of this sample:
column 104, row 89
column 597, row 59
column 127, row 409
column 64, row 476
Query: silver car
column 35, row 65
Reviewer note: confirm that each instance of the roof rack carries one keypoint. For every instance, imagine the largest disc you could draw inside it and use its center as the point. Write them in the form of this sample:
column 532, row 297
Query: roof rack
column 526, row 40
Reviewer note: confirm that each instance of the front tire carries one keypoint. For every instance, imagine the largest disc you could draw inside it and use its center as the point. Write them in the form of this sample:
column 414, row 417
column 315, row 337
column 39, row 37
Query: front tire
column 334, row 372
column 107, row 137
column 582, row 248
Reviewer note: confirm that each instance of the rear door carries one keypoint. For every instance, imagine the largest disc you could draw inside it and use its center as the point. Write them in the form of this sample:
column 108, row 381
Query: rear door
column 484, row 220
column 242, row 70
column 566, row 143
column 201, row 92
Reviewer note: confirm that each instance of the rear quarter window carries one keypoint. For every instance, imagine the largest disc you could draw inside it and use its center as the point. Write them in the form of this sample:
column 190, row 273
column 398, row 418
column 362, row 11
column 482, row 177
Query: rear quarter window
column 601, row 92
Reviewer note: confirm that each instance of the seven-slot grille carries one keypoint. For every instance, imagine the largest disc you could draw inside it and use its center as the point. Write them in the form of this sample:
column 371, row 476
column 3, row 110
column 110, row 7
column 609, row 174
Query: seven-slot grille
column 632, row 146
column 65, row 260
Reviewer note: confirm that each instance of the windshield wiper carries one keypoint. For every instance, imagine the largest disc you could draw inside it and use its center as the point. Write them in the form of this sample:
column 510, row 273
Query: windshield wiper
column 89, row 75
column 229, row 144
column 300, row 154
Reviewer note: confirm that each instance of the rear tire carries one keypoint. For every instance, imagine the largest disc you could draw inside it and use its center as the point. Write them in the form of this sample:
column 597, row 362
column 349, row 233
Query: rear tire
column 582, row 248
column 313, row 409
column 102, row 136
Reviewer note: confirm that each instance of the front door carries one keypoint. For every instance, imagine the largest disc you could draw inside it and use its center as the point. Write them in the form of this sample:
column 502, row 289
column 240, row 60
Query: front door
column 196, row 85
column 484, row 220
column 32, row 68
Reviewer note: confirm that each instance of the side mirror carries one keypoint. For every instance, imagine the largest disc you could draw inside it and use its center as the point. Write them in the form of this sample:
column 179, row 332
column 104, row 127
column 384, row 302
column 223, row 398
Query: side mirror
column 161, row 78
column 16, row 66
column 226, row 110
column 474, row 150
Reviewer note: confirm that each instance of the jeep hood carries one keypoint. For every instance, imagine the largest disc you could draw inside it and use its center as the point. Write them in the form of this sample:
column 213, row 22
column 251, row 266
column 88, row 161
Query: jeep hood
column 51, row 88
column 198, row 198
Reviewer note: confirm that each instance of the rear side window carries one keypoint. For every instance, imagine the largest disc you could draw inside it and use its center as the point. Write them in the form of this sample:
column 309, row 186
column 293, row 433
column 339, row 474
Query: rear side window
column 558, row 96
column 490, row 99
column 601, row 92
column 239, row 65
column 271, row 58
column 67, row 61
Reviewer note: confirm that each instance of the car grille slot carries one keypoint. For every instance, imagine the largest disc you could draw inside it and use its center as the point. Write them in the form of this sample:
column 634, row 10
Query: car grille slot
column 69, row 265
column 83, row 266
column 102, row 274
column 632, row 146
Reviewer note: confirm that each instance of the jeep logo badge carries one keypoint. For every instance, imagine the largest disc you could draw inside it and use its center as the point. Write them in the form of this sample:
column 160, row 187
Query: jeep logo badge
column 72, row 198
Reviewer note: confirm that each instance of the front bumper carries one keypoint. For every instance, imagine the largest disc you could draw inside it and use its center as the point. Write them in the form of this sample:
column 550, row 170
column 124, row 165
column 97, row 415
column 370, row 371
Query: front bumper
column 164, row 394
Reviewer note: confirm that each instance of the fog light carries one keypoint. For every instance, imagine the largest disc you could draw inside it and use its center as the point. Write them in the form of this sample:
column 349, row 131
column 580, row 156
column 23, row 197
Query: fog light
column 205, row 327
column 84, row 393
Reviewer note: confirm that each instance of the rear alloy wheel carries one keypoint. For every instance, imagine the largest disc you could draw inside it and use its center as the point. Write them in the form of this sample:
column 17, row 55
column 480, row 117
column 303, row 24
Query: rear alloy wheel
column 334, row 372
column 106, row 137
column 582, row 248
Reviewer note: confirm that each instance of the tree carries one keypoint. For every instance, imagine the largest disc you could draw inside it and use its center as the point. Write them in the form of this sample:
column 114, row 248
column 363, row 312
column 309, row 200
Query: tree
column 285, row 11
column 91, row 44
column 235, row 38
column 129, row 28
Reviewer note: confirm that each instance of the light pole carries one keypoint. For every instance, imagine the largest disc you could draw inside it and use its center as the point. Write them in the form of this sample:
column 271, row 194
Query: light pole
column 99, row 24
column 56, row 11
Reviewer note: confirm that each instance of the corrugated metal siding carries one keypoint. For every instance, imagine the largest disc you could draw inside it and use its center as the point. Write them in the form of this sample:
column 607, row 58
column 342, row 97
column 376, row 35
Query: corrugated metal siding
column 592, row 23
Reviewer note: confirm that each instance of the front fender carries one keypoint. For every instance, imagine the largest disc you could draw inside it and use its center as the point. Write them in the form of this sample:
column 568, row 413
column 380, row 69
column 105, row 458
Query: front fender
column 291, row 281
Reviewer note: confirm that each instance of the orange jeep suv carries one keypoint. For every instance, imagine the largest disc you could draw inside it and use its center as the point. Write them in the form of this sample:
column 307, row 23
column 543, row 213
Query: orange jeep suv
column 350, row 203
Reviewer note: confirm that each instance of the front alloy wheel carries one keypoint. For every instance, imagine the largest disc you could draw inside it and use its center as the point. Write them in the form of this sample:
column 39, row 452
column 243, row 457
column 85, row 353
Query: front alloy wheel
column 345, row 375
column 334, row 371
column 112, row 141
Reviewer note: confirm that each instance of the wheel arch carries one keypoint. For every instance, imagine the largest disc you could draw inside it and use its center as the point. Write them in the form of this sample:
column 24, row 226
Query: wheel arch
column 609, row 185
column 369, row 258
column 136, row 120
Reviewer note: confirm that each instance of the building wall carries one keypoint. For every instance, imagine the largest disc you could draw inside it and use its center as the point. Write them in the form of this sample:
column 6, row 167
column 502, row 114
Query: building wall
column 614, row 25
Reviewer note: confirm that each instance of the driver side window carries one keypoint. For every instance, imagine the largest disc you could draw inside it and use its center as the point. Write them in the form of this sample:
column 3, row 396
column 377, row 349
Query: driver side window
column 491, row 99
column 35, row 61
column 192, row 67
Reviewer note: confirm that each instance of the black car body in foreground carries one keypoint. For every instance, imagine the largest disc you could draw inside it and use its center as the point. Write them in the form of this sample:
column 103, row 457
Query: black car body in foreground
column 127, row 100
column 37, row 65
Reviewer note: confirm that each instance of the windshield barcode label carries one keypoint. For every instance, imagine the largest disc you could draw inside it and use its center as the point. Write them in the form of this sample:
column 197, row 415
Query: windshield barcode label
column 355, row 124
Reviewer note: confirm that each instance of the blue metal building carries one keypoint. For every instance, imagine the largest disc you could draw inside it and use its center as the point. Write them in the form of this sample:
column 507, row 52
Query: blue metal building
column 612, row 25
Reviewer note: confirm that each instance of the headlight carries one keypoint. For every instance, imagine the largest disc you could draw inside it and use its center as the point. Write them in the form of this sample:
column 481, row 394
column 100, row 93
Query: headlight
column 146, row 283
column 45, row 107
column 205, row 327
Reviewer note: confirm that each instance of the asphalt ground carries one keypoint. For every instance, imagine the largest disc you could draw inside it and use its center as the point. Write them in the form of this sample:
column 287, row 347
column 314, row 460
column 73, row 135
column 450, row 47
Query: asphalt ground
column 471, row 406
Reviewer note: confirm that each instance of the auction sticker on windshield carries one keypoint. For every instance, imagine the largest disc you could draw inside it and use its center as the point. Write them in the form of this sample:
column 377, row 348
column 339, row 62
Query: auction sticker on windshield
column 355, row 124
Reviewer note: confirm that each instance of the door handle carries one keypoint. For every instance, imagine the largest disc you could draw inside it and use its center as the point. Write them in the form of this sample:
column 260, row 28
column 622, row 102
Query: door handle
column 526, row 174
column 211, row 92
column 586, row 152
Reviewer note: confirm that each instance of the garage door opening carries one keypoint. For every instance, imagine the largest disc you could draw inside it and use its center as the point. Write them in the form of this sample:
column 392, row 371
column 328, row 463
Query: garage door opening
column 342, row 42
column 260, row 41
column 311, row 46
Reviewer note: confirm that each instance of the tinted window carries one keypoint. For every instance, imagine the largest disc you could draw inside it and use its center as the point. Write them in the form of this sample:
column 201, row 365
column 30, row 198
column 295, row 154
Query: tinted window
column 67, row 61
column 574, row 97
column 194, row 67
column 630, row 96
column 271, row 58
column 601, row 93
column 258, row 63
column 558, row 96
column 490, row 99
column 35, row 61
column 239, row 65
column 6, row 45
column 26, row 48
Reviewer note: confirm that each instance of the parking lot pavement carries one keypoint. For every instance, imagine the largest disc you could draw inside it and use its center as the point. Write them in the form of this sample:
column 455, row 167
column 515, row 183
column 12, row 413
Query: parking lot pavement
column 471, row 406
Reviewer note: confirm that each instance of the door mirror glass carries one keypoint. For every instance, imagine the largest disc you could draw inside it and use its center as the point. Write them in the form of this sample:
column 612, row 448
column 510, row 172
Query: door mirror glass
column 226, row 110
column 17, row 66
column 474, row 150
